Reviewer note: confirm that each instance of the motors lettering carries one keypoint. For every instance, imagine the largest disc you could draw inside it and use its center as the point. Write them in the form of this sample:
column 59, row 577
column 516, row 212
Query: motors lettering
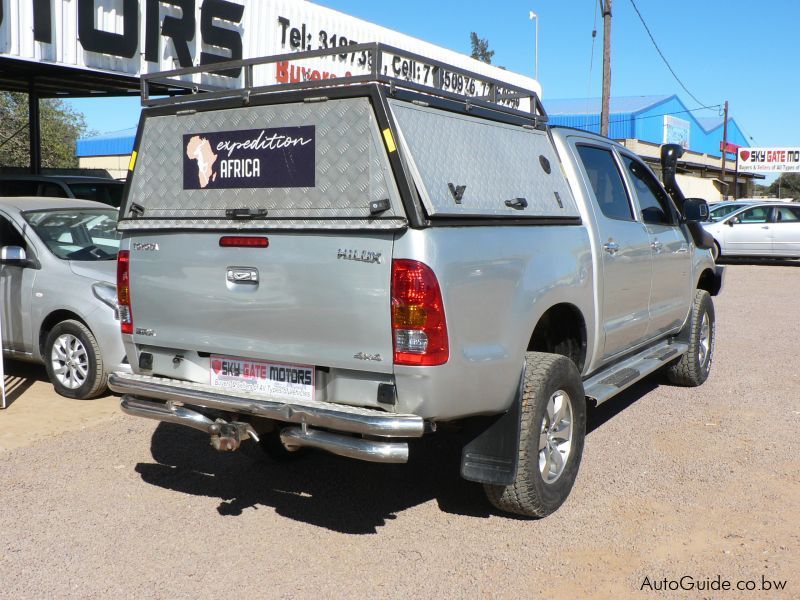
column 279, row 374
column 181, row 30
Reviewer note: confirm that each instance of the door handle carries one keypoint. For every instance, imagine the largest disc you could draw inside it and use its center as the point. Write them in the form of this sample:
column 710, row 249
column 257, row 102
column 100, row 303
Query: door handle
column 611, row 247
column 765, row 227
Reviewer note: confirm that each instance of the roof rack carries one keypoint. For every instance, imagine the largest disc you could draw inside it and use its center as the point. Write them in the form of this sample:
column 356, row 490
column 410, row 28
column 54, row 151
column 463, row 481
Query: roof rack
column 373, row 61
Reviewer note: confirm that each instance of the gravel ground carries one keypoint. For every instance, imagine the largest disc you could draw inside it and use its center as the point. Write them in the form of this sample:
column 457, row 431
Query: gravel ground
column 675, row 482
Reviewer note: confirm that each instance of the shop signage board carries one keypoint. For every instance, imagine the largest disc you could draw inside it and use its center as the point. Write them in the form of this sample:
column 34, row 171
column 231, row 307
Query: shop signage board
column 677, row 131
column 768, row 160
column 136, row 37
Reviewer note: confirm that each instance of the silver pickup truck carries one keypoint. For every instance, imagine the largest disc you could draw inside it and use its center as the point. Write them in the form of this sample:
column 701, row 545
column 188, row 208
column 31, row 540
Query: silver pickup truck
column 346, row 267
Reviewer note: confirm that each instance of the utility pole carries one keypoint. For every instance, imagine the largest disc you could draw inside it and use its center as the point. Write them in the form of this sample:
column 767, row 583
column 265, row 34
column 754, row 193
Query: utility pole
column 606, row 7
column 724, row 153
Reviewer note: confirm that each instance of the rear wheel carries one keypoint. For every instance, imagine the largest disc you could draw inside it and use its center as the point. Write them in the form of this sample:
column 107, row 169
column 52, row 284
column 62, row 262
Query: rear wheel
column 692, row 368
column 73, row 361
column 552, row 433
column 715, row 251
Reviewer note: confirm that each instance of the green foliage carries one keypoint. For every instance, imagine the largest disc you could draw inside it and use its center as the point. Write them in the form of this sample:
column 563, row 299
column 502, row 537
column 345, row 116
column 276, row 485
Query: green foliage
column 480, row 48
column 61, row 127
column 785, row 186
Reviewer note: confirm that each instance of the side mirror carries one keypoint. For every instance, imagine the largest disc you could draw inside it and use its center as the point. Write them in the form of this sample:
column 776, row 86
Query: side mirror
column 13, row 255
column 695, row 209
column 733, row 221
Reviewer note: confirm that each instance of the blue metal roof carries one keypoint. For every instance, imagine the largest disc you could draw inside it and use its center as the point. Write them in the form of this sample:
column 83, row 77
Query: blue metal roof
column 711, row 123
column 118, row 143
column 645, row 118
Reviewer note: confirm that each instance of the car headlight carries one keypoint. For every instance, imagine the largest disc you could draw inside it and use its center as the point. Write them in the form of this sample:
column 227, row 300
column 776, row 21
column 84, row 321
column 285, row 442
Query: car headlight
column 107, row 294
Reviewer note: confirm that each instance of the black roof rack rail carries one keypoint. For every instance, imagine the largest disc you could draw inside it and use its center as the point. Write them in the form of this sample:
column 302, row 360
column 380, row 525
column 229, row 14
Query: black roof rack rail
column 373, row 63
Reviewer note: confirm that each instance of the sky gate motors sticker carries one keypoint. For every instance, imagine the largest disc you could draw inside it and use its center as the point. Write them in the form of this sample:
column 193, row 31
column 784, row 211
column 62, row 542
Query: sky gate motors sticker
column 276, row 380
column 251, row 158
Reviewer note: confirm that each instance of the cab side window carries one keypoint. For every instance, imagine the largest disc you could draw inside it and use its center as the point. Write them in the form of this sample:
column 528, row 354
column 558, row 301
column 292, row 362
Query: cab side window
column 606, row 182
column 787, row 214
column 653, row 200
column 758, row 214
column 52, row 190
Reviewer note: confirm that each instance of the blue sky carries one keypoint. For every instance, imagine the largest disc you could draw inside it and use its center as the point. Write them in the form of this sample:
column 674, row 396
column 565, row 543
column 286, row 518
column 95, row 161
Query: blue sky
column 738, row 50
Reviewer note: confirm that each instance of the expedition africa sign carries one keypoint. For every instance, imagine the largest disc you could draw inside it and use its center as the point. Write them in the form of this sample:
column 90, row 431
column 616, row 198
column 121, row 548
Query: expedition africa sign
column 281, row 157
column 769, row 160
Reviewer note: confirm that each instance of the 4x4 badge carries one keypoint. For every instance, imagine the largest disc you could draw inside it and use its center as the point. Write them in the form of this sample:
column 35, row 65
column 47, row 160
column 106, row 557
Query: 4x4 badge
column 457, row 191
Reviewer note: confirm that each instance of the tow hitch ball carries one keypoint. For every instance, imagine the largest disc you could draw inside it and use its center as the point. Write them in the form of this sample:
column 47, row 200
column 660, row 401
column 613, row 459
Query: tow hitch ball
column 227, row 437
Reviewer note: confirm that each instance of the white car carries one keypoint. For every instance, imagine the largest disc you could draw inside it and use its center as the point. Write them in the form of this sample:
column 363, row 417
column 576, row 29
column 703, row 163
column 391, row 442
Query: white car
column 58, row 266
column 770, row 229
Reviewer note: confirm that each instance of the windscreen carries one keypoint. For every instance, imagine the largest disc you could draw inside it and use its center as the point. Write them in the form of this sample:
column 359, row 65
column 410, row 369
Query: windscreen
column 308, row 164
column 77, row 234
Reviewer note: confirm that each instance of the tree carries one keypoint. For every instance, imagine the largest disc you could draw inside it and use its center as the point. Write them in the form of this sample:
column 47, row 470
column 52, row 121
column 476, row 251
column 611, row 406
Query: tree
column 480, row 48
column 785, row 186
column 61, row 127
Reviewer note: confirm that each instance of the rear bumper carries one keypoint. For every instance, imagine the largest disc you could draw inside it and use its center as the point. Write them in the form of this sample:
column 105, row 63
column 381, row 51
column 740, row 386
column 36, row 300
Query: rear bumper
column 337, row 417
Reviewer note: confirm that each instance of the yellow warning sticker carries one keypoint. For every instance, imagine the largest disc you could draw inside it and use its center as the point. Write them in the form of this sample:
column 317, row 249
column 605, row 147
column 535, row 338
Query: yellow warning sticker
column 389, row 138
column 131, row 164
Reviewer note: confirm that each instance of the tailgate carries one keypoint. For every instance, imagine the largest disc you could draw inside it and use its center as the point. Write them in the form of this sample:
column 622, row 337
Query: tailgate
column 309, row 299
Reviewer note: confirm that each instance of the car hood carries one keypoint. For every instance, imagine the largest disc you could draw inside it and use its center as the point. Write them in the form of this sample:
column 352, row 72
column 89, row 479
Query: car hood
column 99, row 270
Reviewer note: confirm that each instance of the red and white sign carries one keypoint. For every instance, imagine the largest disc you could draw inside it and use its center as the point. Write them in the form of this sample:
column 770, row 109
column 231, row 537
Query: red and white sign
column 769, row 160
column 278, row 381
column 729, row 147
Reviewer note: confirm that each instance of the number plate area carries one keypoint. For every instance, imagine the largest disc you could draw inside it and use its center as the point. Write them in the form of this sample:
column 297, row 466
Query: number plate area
column 279, row 381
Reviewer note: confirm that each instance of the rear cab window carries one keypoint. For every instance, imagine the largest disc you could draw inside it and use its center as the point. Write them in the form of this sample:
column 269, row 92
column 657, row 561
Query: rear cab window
column 606, row 182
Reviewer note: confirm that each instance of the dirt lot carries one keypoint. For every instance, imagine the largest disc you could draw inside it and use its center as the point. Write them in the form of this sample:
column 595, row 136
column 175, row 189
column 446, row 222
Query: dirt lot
column 675, row 482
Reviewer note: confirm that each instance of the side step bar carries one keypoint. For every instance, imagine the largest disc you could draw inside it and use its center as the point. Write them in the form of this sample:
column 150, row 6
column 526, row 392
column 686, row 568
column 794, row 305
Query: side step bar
column 610, row 382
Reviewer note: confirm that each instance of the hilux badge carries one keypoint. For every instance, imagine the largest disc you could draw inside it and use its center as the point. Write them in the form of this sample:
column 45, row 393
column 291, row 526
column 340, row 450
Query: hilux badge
column 366, row 256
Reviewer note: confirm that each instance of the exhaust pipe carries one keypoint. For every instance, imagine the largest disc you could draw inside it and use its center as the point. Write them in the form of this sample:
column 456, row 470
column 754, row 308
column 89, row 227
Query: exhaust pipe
column 294, row 438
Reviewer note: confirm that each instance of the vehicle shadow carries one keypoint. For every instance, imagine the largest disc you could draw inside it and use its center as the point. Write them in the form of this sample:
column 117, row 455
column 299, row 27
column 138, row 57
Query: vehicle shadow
column 19, row 377
column 328, row 491
column 321, row 489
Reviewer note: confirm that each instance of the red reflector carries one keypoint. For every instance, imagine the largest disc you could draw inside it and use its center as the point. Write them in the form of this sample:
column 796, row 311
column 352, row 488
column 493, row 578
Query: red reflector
column 237, row 241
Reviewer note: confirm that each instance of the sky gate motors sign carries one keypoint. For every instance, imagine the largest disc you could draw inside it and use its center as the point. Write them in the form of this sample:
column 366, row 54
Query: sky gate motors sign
column 281, row 157
column 769, row 160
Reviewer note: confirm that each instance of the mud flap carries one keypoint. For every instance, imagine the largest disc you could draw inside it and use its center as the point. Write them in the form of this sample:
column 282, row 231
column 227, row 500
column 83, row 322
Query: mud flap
column 492, row 457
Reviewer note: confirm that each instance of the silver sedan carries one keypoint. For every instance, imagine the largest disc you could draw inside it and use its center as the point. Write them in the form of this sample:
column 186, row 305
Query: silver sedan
column 58, row 290
column 765, row 229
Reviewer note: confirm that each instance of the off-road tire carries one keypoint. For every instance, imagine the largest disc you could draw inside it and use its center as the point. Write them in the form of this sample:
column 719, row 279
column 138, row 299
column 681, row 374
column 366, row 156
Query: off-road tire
column 692, row 368
column 96, row 377
column 530, row 495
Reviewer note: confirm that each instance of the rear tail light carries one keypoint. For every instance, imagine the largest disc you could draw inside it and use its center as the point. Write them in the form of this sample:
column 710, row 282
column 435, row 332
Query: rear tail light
column 124, row 291
column 418, row 322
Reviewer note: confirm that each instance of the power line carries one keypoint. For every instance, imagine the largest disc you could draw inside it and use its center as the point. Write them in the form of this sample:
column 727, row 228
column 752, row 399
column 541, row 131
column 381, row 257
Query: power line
column 677, row 112
column 664, row 58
